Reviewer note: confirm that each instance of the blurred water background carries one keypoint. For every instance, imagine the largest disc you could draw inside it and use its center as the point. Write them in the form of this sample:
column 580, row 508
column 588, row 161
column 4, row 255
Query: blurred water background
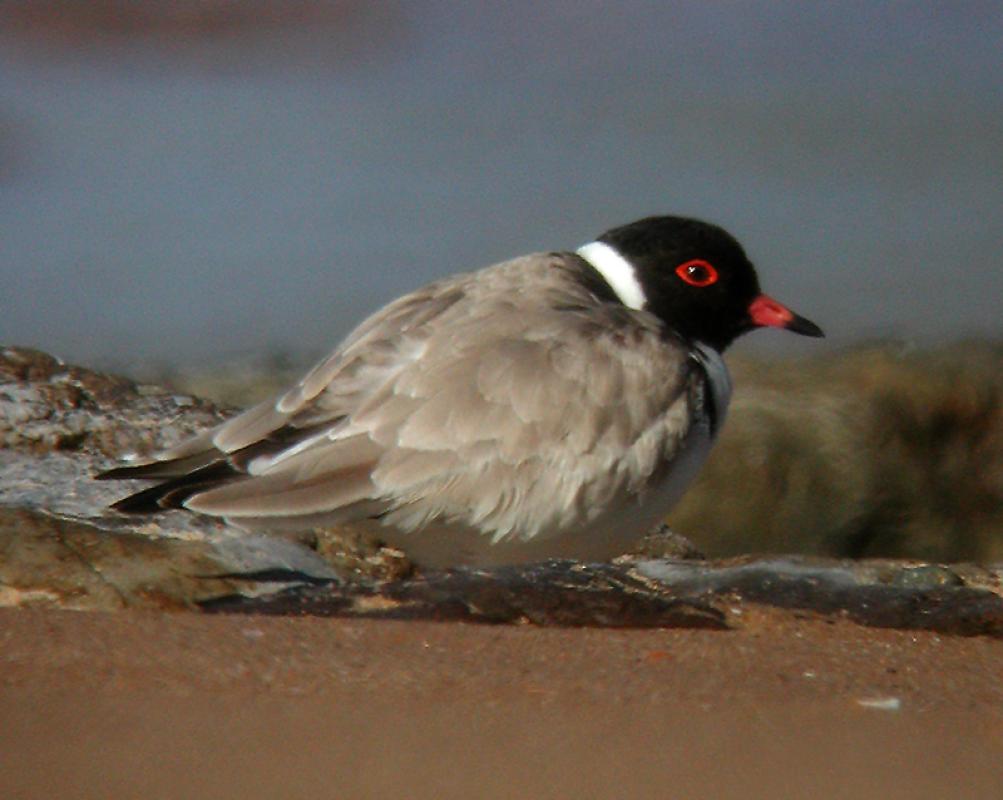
column 192, row 184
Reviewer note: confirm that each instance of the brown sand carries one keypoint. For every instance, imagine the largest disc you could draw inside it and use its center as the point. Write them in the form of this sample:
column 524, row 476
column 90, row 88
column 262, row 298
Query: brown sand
column 96, row 705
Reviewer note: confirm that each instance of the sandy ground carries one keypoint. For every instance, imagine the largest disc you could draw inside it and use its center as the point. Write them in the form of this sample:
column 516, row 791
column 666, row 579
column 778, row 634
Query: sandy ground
column 96, row 705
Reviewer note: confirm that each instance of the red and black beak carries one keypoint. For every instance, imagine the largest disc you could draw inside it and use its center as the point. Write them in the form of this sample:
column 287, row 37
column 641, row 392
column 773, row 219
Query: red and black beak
column 765, row 312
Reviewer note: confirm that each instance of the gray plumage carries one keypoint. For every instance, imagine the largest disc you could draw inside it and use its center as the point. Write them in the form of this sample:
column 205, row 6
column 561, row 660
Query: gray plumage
column 505, row 415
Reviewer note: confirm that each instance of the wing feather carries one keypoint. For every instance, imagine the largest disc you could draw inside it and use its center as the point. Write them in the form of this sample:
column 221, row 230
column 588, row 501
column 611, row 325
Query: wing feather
column 471, row 400
column 285, row 494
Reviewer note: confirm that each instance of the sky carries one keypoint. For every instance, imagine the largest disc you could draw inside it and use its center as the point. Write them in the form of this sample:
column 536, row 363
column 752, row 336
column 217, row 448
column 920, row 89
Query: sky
column 186, row 192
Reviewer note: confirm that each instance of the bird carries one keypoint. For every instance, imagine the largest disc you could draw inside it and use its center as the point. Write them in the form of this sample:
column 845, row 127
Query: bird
column 552, row 406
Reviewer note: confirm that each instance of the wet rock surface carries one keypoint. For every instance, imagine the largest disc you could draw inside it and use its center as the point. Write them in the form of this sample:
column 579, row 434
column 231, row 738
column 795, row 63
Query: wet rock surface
column 964, row 600
column 61, row 547
column 565, row 593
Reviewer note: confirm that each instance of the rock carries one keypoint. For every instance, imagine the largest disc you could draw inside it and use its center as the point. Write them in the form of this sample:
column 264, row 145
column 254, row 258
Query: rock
column 660, row 593
column 47, row 406
column 665, row 543
column 49, row 561
column 565, row 593
column 61, row 546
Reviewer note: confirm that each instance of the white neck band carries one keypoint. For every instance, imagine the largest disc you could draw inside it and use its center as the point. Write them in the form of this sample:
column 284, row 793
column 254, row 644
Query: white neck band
column 616, row 271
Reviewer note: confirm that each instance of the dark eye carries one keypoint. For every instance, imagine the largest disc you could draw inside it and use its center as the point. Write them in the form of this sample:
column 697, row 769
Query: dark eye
column 697, row 272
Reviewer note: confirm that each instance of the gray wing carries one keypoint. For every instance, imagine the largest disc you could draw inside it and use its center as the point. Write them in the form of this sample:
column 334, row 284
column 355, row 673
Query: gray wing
column 469, row 401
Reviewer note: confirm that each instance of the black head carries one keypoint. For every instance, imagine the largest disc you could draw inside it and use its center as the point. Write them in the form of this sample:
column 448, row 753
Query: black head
column 694, row 277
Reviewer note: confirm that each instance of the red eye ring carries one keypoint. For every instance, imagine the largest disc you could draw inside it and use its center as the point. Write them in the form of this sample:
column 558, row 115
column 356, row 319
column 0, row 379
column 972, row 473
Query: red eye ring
column 697, row 272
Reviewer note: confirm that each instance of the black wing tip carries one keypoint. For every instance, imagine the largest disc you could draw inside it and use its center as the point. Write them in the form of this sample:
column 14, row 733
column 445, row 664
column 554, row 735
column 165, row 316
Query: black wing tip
column 116, row 473
column 162, row 497
column 145, row 502
column 174, row 492
column 134, row 472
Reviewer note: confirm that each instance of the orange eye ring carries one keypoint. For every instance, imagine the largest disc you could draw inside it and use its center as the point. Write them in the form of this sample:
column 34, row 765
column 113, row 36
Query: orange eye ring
column 697, row 272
